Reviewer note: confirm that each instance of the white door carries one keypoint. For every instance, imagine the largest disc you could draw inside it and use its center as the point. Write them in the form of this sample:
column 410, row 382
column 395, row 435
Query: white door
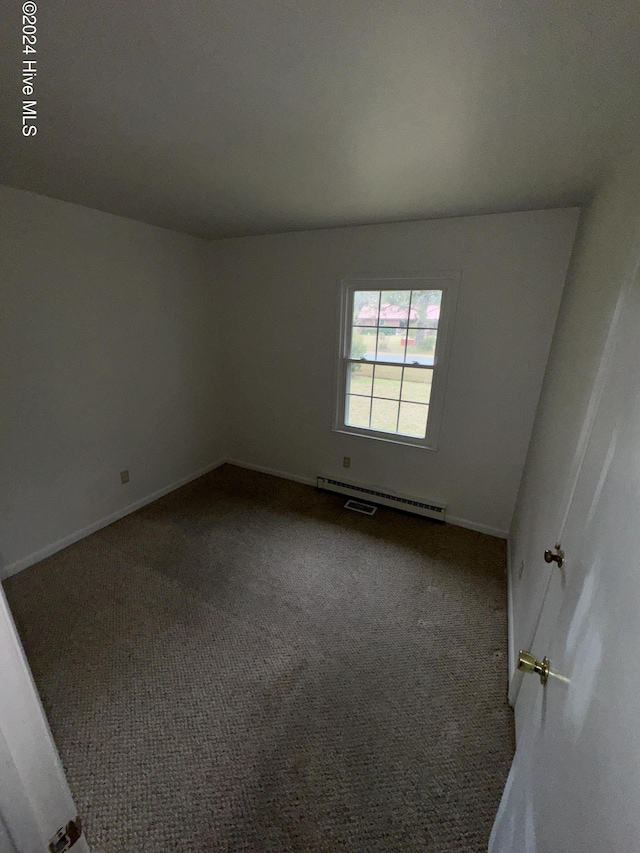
column 555, row 520
column 35, row 801
column 584, row 500
column 574, row 786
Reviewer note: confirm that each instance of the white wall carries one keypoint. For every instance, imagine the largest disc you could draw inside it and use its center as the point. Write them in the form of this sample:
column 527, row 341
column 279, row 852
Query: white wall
column 281, row 333
column 112, row 334
column 605, row 257
column 109, row 347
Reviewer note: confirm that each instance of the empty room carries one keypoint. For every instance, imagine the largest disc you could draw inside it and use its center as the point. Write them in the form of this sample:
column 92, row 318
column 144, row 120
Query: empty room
column 319, row 448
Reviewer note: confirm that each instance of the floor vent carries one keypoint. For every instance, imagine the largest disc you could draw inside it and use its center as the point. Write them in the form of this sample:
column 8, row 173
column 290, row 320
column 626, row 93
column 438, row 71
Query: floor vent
column 358, row 506
column 430, row 509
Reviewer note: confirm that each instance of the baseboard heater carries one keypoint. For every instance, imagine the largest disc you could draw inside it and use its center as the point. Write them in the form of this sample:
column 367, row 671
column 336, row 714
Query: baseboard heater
column 429, row 509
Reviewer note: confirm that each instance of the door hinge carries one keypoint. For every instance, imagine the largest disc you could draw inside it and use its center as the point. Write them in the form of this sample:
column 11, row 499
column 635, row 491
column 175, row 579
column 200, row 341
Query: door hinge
column 66, row 837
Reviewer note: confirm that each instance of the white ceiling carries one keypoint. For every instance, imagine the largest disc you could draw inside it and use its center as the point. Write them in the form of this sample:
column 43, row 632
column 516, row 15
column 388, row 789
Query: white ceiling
column 255, row 116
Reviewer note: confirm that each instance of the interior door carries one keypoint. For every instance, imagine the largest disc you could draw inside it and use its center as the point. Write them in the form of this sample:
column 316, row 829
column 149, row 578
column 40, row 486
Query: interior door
column 574, row 785
column 575, row 527
column 35, row 801
column 556, row 521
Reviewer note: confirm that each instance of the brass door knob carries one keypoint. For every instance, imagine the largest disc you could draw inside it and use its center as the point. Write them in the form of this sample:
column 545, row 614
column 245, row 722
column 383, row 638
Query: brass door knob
column 527, row 663
column 557, row 557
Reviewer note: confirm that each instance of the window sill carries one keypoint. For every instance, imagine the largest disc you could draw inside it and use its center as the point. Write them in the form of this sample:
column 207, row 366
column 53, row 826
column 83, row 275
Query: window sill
column 391, row 439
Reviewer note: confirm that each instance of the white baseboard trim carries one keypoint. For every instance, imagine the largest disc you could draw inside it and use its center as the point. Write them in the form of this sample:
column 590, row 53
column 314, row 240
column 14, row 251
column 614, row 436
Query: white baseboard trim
column 48, row 550
column 284, row 475
column 311, row 481
column 479, row 528
column 511, row 636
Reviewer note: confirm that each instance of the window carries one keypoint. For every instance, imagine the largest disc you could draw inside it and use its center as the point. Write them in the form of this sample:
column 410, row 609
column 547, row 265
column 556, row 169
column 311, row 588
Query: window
column 393, row 352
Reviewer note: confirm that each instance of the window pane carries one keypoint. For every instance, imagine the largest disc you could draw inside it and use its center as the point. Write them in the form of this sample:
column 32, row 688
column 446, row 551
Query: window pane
column 416, row 385
column 413, row 419
column 363, row 343
column 384, row 415
column 390, row 344
column 394, row 309
column 357, row 411
column 360, row 379
column 365, row 307
column 425, row 308
column 387, row 382
column 421, row 346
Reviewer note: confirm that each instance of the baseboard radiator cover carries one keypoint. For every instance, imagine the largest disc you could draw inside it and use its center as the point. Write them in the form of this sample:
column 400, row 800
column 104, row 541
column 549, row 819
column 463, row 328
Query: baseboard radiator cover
column 428, row 509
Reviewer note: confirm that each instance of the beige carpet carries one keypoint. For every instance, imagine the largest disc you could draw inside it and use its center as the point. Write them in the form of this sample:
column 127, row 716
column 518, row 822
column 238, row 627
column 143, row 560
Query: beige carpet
column 247, row 666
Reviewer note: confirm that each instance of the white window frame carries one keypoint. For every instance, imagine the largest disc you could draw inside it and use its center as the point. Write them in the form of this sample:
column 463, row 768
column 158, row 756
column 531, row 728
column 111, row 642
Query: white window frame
column 447, row 282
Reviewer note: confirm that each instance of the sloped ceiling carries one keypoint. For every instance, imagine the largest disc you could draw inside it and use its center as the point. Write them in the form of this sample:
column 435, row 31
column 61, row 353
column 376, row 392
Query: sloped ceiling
column 258, row 116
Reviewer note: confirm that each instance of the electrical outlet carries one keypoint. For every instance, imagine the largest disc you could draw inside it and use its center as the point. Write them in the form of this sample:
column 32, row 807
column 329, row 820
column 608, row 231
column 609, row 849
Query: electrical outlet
column 346, row 461
column 124, row 477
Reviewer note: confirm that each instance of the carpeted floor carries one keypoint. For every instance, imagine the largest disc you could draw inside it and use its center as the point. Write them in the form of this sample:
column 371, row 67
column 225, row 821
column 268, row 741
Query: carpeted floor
column 247, row 666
